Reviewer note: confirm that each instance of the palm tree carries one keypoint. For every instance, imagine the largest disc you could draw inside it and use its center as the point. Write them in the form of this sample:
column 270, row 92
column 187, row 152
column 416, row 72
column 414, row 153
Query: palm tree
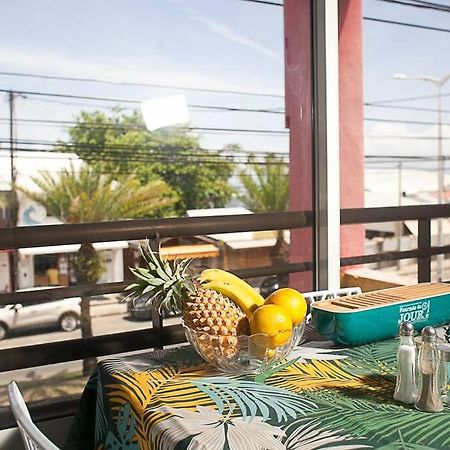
column 82, row 195
column 267, row 189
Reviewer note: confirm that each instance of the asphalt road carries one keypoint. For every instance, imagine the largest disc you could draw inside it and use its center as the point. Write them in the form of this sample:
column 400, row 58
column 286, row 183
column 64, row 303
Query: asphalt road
column 107, row 319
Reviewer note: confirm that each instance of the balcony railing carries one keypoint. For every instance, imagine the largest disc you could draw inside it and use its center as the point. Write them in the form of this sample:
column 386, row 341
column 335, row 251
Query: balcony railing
column 160, row 335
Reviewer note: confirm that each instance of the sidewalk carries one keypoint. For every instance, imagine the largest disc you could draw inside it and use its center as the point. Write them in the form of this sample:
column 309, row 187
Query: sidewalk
column 111, row 305
column 408, row 272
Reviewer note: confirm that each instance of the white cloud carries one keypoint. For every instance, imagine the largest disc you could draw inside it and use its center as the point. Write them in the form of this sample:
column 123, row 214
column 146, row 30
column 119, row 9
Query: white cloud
column 403, row 140
column 227, row 32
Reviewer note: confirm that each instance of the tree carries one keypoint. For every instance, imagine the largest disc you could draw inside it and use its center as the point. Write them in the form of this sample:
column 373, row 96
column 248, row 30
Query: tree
column 266, row 188
column 84, row 195
column 120, row 144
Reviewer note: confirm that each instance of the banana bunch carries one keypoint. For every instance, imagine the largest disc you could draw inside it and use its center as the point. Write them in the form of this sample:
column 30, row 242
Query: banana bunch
column 236, row 289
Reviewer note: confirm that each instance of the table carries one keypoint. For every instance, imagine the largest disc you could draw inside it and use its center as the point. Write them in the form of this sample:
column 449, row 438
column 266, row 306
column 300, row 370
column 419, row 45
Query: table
column 327, row 398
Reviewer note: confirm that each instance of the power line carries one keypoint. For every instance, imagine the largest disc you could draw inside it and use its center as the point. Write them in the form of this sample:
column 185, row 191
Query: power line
column 369, row 158
column 141, row 84
column 162, row 149
column 406, row 24
column 263, row 2
column 165, row 158
column 407, row 99
column 412, row 122
column 426, row 138
column 237, row 130
column 407, row 108
column 418, row 4
column 142, row 127
column 133, row 101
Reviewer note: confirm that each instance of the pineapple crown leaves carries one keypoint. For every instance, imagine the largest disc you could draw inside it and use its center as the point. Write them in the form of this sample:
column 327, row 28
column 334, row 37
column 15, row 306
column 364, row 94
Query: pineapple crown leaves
column 158, row 284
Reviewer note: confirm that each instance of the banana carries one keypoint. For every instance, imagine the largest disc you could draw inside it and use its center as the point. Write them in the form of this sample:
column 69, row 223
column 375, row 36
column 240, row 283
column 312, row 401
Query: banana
column 233, row 287
column 235, row 293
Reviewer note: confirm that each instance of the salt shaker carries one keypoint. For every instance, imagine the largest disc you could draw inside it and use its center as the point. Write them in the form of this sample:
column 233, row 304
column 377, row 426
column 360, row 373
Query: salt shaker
column 405, row 386
column 429, row 397
column 444, row 372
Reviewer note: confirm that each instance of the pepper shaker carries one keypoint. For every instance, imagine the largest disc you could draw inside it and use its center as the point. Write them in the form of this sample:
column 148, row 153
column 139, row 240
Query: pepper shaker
column 428, row 397
column 405, row 386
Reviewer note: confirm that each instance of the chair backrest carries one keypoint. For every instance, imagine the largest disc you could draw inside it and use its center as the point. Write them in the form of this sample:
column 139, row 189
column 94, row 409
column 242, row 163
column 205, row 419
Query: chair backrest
column 318, row 296
column 32, row 437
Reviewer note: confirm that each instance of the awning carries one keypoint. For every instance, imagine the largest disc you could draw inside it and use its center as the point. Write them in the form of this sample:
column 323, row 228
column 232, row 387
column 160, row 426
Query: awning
column 71, row 248
column 413, row 226
column 190, row 251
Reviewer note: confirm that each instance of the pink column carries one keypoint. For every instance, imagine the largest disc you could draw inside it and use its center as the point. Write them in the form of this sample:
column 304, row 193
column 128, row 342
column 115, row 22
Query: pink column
column 298, row 86
column 351, row 113
column 298, row 81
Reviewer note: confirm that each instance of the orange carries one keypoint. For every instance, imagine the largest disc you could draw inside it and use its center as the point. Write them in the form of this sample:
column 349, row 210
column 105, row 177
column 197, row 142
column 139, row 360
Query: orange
column 292, row 301
column 273, row 321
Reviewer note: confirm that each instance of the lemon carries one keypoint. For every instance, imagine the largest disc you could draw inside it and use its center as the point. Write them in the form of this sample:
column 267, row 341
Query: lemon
column 292, row 301
column 274, row 321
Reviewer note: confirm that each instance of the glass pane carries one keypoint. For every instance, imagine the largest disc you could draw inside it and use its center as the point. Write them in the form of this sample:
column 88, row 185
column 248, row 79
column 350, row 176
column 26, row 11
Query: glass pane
column 406, row 112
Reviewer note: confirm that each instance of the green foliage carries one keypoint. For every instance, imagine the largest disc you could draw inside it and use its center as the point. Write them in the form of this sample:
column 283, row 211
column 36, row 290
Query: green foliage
column 87, row 264
column 120, row 144
column 266, row 186
column 85, row 195
column 267, row 189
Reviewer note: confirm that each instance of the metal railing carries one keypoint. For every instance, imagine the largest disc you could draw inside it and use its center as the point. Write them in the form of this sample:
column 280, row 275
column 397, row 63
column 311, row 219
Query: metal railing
column 57, row 352
column 159, row 335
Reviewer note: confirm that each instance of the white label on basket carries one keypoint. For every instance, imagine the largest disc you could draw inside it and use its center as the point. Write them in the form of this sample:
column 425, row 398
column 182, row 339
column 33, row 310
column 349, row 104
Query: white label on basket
column 415, row 312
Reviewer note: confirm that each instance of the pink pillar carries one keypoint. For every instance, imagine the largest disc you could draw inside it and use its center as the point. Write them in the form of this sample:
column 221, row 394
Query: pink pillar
column 351, row 121
column 298, row 86
column 298, row 80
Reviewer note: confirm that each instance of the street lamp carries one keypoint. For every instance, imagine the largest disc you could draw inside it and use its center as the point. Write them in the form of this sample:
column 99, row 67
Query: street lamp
column 439, row 83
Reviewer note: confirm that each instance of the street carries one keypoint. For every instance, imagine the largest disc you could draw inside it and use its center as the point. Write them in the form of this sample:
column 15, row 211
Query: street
column 107, row 318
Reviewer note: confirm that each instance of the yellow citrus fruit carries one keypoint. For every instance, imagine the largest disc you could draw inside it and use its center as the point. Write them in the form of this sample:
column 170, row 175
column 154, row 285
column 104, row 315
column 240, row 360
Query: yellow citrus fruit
column 292, row 301
column 274, row 321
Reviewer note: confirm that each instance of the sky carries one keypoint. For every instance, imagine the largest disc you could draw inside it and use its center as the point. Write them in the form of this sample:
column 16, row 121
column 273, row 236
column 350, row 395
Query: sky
column 220, row 44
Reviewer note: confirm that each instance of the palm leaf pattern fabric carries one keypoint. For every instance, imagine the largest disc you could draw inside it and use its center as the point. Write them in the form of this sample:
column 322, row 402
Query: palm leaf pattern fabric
column 325, row 398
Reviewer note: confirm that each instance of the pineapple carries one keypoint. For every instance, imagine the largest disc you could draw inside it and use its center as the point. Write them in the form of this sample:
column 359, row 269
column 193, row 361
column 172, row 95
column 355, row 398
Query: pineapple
column 174, row 289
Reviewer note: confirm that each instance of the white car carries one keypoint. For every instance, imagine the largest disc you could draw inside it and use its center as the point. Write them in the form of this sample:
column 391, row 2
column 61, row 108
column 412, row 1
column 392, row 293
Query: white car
column 63, row 313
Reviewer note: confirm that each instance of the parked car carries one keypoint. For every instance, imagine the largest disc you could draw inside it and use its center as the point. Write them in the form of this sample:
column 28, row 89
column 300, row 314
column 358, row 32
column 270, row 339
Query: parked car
column 141, row 312
column 63, row 313
column 272, row 283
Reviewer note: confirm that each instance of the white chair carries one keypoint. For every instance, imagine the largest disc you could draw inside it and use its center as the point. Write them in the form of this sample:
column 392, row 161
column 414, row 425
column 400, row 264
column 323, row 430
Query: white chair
column 32, row 437
column 318, row 296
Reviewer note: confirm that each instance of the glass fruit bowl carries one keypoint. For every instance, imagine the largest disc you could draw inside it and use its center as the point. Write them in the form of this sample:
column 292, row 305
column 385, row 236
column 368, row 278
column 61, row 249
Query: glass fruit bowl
column 241, row 354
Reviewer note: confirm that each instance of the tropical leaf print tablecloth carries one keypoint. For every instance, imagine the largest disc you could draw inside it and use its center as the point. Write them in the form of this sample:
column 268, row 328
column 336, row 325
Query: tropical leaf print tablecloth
column 325, row 399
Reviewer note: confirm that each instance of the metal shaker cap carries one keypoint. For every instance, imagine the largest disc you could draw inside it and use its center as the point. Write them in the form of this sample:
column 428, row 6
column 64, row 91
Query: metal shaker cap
column 406, row 329
column 428, row 334
column 444, row 351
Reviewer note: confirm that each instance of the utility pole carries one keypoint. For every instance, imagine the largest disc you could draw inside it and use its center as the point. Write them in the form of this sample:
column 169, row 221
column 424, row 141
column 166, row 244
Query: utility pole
column 13, row 197
column 439, row 83
column 440, row 257
column 399, row 223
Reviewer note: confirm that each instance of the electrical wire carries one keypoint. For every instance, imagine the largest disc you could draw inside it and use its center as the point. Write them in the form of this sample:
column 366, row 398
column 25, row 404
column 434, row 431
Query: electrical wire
column 426, row 138
column 422, row 5
column 406, row 24
column 408, row 99
column 407, row 108
column 133, row 101
column 112, row 126
column 263, row 2
column 142, row 127
column 412, row 122
column 141, row 84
